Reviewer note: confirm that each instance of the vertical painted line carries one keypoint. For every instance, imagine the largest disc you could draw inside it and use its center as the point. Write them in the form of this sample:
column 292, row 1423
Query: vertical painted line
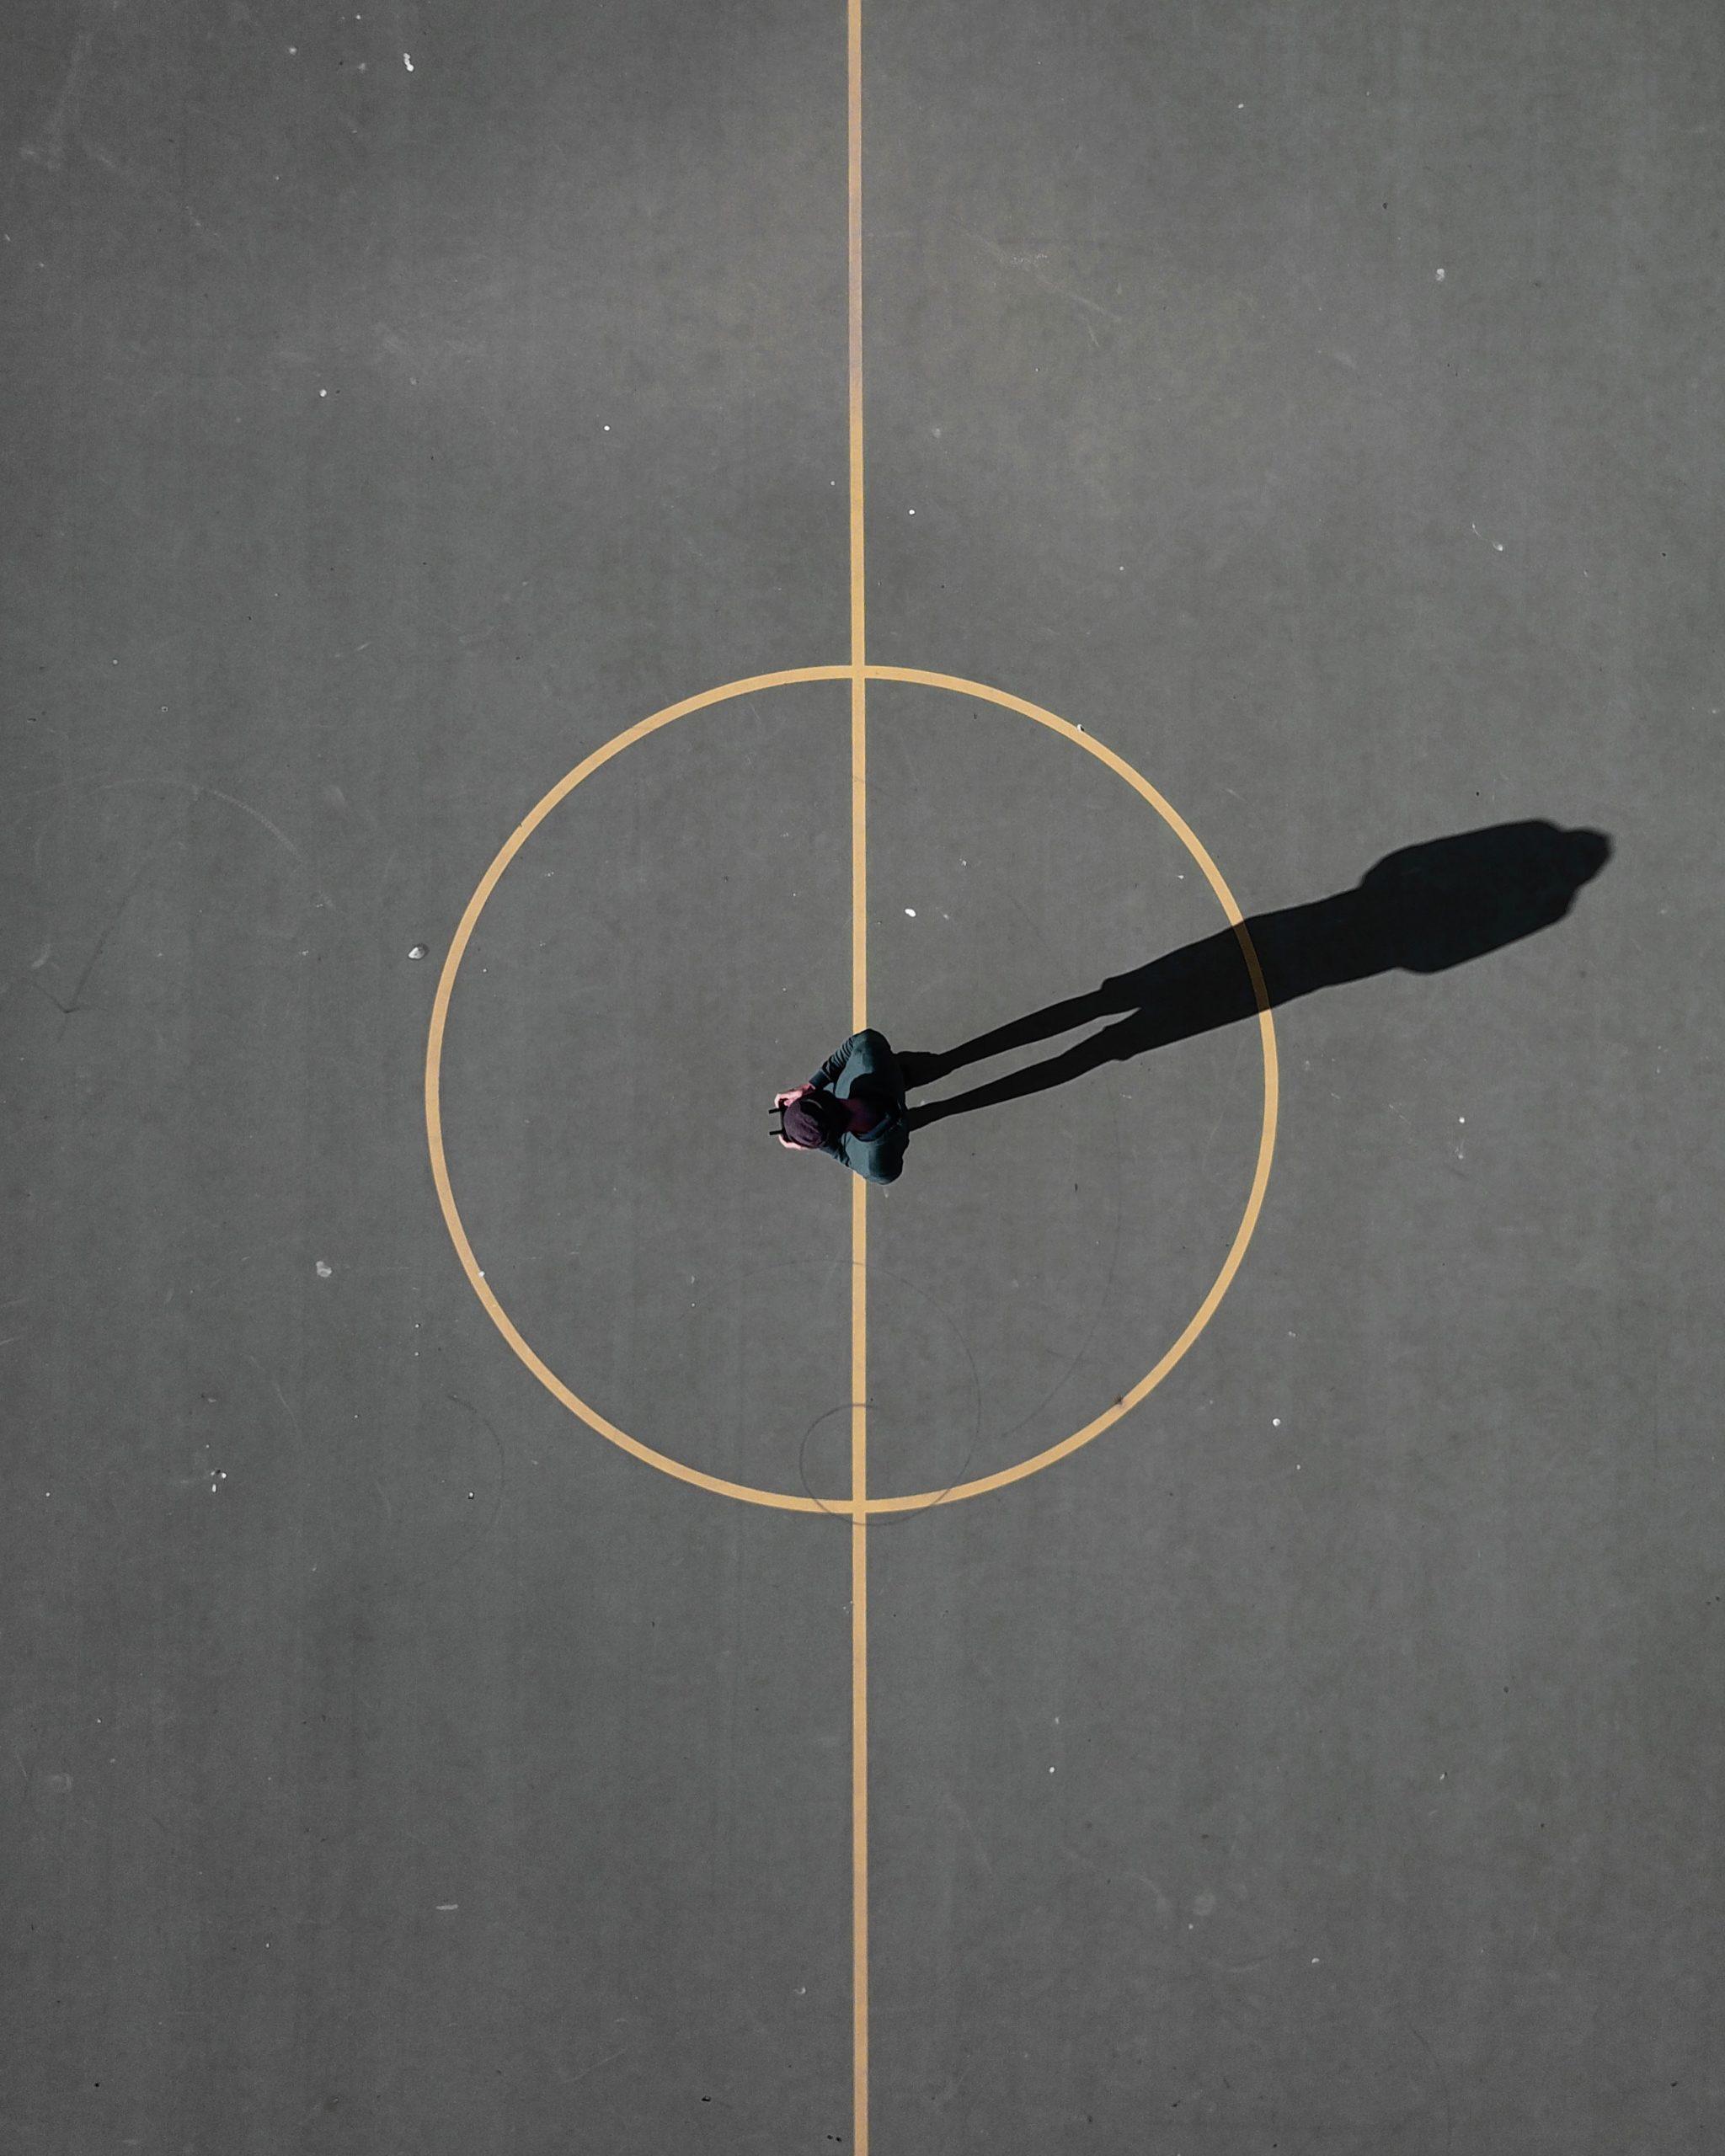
column 855, row 254
column 859, row 1018
column 859, row 1666
column 859, row 686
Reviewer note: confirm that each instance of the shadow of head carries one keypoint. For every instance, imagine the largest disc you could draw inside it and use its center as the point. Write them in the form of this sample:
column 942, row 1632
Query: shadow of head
column 1451, row 899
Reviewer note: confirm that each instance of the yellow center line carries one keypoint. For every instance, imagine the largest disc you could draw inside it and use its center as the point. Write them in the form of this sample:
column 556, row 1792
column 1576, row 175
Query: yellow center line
column 859, row 1189
column 859, row 1664
column 855, row 249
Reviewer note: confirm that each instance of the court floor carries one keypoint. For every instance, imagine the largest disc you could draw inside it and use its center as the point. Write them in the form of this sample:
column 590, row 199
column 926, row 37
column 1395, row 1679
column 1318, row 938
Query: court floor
column 561, row 560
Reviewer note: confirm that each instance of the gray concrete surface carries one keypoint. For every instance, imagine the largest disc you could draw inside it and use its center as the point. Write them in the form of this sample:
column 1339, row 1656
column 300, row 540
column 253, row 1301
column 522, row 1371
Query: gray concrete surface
column 1326, row 1759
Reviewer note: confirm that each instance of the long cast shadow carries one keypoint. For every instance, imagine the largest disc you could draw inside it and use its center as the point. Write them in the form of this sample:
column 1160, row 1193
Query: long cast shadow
column 1423, row 909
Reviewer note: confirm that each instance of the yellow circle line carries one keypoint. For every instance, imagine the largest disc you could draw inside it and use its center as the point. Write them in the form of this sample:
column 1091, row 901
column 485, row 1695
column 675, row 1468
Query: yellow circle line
column 749, row 1493
column 476, row 905
column 921, row 678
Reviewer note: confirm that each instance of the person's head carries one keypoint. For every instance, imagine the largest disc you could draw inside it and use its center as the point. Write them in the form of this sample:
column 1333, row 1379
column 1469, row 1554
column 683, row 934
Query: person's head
column 811, row 1121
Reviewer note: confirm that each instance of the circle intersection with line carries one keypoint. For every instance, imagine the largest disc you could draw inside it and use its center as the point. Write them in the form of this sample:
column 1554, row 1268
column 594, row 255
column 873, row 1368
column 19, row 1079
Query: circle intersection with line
column 786, row 1500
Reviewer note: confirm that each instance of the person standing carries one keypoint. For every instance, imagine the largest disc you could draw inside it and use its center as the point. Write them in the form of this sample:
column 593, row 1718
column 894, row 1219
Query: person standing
column 852, row 1109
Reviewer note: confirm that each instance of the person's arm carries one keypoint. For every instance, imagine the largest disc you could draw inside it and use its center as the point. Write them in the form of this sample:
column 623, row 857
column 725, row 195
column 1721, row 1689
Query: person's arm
column 827, row 1077
column 877, row 1160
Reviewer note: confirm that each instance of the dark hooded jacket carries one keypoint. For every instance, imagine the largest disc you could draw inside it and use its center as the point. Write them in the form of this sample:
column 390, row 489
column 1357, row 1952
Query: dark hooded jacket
column 864, row 1068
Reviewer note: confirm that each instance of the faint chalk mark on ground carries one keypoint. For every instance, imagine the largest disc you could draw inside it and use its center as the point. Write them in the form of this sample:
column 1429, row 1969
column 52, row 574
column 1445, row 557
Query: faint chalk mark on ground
column 904, row 1517
column 964, row 1820
column 596, row 2064
column 1443, row 2083
column 1164, row 1908
column 484, row 1535
column 198, row 791
column 101, row 945
column 274, row 831
column 299, row 1445
column 1032, row 263
column 147, row 185
column 113, row 921
column 49, row 147
column 1225, row 1092
column 293, row 1422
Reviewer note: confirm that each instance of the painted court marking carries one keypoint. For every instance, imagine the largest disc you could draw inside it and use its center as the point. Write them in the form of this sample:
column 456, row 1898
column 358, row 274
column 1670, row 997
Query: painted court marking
column 859, row 1505
column 873, row 1506
column 859, row 1018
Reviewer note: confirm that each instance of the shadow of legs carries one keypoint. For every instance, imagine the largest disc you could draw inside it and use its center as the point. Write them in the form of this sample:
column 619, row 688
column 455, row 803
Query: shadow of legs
column 1422, row 909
